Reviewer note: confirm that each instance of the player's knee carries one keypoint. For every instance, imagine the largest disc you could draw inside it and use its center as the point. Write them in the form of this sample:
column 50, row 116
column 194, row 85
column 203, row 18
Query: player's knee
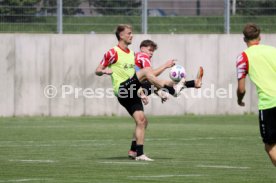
column 147, row 69
column 142, row 121
column 148, row 75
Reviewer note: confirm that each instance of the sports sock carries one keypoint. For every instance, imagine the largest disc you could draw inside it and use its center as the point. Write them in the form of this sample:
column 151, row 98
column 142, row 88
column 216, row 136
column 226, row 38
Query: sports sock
column 133, row 145
column 190, row 84
column 170, row 89
column 140, row 150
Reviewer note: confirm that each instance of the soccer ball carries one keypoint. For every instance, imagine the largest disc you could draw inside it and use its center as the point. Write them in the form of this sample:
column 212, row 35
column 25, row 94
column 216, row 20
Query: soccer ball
column 177, row 72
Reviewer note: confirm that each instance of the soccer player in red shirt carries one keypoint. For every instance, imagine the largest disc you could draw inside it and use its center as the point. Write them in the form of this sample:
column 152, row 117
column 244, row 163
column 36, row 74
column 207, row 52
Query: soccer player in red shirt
column 143, row 60
column 119, row 63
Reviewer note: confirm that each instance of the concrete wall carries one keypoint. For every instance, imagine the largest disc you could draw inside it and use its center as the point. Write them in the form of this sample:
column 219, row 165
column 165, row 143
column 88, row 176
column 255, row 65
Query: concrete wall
column 29, row 63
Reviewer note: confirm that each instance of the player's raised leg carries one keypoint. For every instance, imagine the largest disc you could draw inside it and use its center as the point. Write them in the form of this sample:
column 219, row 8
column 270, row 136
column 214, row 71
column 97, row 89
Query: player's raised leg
column 147, row 74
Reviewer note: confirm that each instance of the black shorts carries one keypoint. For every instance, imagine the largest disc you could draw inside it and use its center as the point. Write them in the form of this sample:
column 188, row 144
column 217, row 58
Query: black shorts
column 148, row 88
column 128, row 96
column 267, row 119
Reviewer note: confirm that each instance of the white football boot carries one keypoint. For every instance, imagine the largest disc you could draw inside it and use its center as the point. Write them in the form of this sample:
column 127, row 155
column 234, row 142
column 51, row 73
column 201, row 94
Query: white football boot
column 179, row 87
column 143, row 157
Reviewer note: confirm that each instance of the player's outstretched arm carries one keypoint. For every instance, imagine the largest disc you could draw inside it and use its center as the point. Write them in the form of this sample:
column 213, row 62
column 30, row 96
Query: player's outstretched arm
column 163, row 67
column 101, row 70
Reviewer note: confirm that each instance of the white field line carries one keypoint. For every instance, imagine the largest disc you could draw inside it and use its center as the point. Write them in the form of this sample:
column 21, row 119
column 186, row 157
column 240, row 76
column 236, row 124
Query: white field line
column 36, row 127
column 116, row 140
column 55, row 145
column 222, row 167
column 126, row 163
column 165, row 176
column 33, row 161
column 188, row 139
column 23, row 180
column 100, row 142
column 197, row 138
column 34, row 145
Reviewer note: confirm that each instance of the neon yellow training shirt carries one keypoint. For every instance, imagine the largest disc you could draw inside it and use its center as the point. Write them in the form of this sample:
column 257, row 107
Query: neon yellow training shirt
column 262, row 71
column 123, row 69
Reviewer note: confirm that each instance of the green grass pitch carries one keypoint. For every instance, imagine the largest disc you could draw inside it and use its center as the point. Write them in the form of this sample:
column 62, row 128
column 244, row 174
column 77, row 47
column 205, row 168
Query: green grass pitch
column 190, row 149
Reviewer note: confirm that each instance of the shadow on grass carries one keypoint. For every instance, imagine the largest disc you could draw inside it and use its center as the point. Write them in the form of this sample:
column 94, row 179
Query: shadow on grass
column 127, row 158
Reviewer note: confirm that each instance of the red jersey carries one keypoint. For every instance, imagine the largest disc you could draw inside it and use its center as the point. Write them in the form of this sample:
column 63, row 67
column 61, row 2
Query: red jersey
column 142, row 60
column 242, row 65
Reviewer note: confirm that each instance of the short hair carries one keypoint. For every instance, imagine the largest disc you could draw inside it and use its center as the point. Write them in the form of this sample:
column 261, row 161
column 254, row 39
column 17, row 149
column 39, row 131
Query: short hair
column 147, row 43
column 251, row 31
column 120, row 28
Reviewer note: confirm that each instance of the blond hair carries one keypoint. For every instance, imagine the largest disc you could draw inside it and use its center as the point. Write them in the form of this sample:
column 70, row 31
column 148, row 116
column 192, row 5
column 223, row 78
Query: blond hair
column 120, row 28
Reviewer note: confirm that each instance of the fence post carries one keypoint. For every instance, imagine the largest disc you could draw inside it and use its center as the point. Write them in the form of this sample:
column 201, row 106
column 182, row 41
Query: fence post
column 144, row 16
column 59, row 17
column 226, row 16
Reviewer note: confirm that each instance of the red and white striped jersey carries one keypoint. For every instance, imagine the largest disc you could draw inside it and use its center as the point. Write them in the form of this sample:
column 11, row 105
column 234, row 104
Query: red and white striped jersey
column 142, row 60
column 242, row 65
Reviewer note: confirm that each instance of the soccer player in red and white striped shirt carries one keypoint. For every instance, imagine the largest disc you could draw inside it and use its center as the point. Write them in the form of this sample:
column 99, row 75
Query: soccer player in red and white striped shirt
column 143, row 60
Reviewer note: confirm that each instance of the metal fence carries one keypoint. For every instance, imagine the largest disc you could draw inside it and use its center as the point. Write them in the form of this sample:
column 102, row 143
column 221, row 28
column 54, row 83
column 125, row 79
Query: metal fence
column 146, row 16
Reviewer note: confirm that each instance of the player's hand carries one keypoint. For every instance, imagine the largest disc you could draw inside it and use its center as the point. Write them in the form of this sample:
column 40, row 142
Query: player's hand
column 145, row 99
column 241, row 103
column 107, row 71
column 170, row 63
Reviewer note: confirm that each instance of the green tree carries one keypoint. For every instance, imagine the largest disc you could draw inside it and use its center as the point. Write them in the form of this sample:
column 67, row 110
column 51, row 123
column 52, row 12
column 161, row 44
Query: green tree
column 70, row 7
column 118, row 7
column 262, row 7
column 268, row 7
column 18, row 10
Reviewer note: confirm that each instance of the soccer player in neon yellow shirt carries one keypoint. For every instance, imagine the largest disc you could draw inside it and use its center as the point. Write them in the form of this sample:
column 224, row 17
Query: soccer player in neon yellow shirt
column 119, row 62
column 259, row 62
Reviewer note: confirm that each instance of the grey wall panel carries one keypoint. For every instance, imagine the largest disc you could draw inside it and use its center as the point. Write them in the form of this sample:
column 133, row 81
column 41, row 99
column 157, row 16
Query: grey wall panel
column 103, row 102
column 67, row 74
column 31, row 74
column 202, row 50
column 7, row 72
